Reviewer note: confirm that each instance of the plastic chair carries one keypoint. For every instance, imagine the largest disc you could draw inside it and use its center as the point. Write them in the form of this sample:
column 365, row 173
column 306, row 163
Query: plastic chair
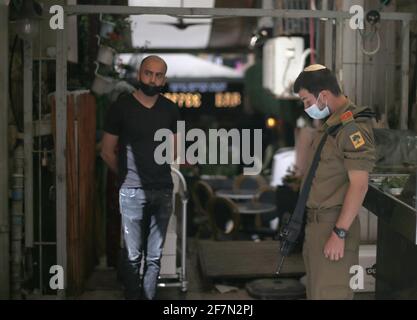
column 266, row 194
column 266, row 225
column 224, row 218
column 201, row 194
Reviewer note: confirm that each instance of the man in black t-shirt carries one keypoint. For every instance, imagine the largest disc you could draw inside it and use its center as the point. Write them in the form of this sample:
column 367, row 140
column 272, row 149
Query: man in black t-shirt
column 145, row 193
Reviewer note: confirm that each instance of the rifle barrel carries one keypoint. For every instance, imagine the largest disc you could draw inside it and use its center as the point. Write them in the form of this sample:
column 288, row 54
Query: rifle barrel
column 280, row 265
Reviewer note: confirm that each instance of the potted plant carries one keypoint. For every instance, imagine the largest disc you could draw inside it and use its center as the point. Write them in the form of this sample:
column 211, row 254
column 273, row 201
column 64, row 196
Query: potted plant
column 394, row 185
column 119, row 36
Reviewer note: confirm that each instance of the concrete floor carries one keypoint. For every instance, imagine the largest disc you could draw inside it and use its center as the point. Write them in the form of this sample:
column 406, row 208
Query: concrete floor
column 103, row 285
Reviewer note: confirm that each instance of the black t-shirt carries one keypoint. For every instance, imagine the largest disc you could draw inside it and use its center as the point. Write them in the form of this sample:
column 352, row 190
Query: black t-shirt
column 136, row 125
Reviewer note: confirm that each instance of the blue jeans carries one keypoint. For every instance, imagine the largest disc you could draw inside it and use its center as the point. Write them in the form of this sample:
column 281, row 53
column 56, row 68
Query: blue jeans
column 145, row 218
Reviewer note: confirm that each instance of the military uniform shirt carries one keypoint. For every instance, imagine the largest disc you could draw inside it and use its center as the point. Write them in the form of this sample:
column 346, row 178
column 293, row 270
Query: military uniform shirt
column 351, row 149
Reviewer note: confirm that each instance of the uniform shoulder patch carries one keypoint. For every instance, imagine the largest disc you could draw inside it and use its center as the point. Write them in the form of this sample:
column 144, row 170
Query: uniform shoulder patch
column 357, row 139
column 346, row 117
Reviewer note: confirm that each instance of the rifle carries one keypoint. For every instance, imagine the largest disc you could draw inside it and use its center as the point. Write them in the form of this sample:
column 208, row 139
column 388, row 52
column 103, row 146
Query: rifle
column 291, row 231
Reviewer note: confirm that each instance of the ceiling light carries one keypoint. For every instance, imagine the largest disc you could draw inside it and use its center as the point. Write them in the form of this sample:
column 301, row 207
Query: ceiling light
column 271, row 122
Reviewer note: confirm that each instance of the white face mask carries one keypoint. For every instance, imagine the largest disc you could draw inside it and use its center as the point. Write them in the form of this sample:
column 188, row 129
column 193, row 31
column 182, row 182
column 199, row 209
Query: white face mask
column 314, row 111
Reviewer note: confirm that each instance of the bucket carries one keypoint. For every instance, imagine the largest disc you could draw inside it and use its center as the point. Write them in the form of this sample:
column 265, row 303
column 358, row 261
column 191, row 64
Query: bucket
column 106, row 55
column 106, row 27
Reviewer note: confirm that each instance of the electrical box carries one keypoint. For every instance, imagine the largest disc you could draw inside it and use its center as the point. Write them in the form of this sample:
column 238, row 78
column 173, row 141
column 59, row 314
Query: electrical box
column 283, row 60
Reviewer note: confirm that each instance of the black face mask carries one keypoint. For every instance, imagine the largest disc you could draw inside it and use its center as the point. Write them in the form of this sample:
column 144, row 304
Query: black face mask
column 150, row 90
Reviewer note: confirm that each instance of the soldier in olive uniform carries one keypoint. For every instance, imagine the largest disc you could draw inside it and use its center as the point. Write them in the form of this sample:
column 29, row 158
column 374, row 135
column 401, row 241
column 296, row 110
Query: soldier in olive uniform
column 332, row 232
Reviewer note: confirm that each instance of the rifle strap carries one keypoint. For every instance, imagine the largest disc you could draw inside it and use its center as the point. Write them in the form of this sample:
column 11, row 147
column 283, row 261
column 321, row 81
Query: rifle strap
column 303, row 196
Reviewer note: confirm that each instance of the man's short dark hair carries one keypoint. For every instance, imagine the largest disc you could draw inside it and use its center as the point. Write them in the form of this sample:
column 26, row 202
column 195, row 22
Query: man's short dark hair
column 317, row 81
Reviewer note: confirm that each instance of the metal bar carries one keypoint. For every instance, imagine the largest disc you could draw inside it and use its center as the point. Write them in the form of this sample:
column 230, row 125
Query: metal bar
column 415, row 204
column 4, row 155
column 184, row 200
column 266, row 21
column 184, row 245
column 39, row 155
column 41, row 264
column 373, row 64
column 328, row 38
column 28, row 139
column 405, row 74
column 44, row 243
column 60, row 147
column 226, row 12
column 339, row 51
column 43, row 151
column 226, row 50
column 169, row 285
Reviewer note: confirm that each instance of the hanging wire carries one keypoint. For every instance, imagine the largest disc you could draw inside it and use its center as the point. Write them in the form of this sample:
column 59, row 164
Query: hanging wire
column 378, row 39
column 383, row 4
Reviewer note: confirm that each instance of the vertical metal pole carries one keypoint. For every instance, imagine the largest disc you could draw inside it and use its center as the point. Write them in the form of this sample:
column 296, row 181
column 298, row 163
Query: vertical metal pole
column 415, row 201
column 184, row 245
column 40, row 212
column 328, row 42
column 28, row 139
column 266, row 21
column 405, row 73
column 339, row 51
column 60, row 149
column 4, row 155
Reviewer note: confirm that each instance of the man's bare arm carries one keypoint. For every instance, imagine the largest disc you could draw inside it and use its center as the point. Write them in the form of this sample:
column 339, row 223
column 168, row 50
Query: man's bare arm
column 108, row 150
column 358, row 186
column 355, row 195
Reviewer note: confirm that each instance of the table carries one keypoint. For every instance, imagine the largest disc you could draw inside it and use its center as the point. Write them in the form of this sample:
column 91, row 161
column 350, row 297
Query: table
column 241, row 194
column 219, row 183
column 256, row 207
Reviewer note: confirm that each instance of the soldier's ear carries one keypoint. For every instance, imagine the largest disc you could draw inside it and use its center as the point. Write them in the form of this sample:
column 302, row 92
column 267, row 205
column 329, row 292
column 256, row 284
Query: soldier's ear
column 326, row 95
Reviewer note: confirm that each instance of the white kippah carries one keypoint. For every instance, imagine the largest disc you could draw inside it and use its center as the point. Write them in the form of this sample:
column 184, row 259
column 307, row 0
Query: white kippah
column 314, row 67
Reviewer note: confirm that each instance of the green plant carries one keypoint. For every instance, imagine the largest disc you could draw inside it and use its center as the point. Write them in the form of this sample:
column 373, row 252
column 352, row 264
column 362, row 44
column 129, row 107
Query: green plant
column 394, row 182
column 119, row 39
